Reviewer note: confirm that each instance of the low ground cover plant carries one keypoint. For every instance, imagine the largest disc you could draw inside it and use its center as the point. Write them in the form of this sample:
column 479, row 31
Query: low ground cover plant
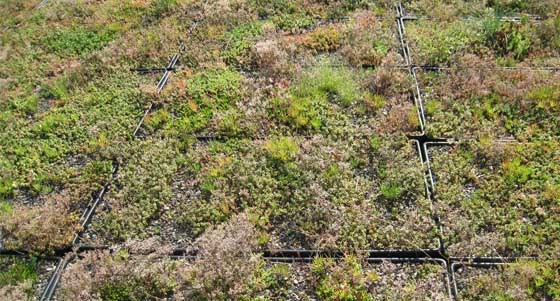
column 53, row 166
column 506, row 43
column 269, row 129
column 23, row 278
column 490, row 103
column 463, row 9
column 61, row 141
column 498, row 199
column 228, row 269
column 294, row 189
column 349, row 279
column 43, row 46
column 285, row 124
column 523, row 280
column 325, row 98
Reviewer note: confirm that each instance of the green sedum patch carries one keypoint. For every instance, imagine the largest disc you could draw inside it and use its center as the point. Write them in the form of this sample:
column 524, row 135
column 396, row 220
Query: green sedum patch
column 493, row 199
column 523, row 280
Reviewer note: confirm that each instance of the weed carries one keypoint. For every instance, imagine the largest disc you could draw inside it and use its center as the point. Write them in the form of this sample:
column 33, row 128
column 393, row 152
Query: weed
column 515, row 172
column 375, row 144
column 158, row 119
column 26, row 105
column 298, row 111
column 506, row 38
column 373, row 102
column 346, row 281
column 546, row 97
column 55, row 91
column 117, row 291
column 320, row 266
column 160, row 8
column 391, row 191
column 433, row 106
column 412, row 117
column 282, row 149
column 327, row 82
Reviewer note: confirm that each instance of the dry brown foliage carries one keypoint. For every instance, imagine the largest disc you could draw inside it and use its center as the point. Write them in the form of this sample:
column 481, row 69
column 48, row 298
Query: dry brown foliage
column 42, row 227
column 227, row 261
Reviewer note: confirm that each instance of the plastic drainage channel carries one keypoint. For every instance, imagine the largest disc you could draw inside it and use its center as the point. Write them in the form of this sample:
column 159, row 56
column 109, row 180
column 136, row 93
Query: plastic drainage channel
column 429, row 161
column 53, row 281
column 436, row 67
column 152, row 70
column 532, row 18
column 405, row 49
column 421, row 139
column 88, row 213
column 164, row 78
column 42, row 3
column 479, row 262
column 160, row 85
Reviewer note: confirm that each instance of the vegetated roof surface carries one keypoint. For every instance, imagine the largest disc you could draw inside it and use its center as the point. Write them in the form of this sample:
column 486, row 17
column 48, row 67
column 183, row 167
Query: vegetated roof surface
column 280, row 150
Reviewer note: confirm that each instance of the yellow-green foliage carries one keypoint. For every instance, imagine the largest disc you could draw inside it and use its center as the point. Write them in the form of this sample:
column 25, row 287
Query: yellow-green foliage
column 282, row 149
column 326, row 81
column 546, row 97
column 324, row 39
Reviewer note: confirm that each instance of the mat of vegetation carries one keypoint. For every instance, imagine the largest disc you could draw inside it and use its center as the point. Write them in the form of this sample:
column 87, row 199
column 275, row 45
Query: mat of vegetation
column 303, row 136
column 356, row 193
column 505, row 43
column 498, row 199
column 70, row 100
column 324, row 98
column 24, row 278
column 524, row 280
column 227, row 270
column 63, row 131
column 473, row 102
column 261, row 78
column 465, row 9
